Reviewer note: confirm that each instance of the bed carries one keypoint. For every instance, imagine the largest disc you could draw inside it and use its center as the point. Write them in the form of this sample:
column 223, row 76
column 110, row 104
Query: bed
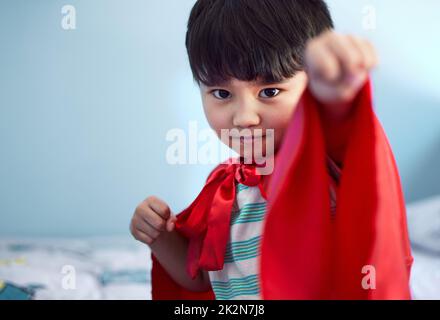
column 61, row 268
column 119, row 267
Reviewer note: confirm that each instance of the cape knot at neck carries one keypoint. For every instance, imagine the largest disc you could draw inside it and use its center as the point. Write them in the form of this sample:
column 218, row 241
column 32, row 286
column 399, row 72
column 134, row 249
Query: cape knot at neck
column 247, row 174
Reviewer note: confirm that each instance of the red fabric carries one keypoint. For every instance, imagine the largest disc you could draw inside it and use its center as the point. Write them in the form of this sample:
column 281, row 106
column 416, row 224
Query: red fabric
column 206, row 224
column 305, row 253
column 326, row 256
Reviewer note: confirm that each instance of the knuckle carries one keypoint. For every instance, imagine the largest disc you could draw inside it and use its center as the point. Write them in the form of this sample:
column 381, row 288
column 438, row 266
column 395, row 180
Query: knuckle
column 143, row 214
column 135, row 235
column 155, row 234
column 136, row 210
column 150, row 240
column 329, row 69
column 146, row 216
column 166, row 211
column 163, row 217
column 133, row 223
column 151, row 199
column 354, row 39
column 158, row 205
column 353, row 58
column 152, row 233
column 161, row 225
column 140, row 209
column 337, row 37
column 162, row 206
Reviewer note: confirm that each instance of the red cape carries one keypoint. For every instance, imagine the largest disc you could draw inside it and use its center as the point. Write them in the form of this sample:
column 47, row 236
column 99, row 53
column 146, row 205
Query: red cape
column 363, row 252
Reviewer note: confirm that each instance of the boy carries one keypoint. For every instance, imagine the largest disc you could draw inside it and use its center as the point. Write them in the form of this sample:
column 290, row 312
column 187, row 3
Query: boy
column 276, row 66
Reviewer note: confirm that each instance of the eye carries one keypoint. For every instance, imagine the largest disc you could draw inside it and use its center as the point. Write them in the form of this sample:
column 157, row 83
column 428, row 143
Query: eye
column 269, row 93
column 221, row 94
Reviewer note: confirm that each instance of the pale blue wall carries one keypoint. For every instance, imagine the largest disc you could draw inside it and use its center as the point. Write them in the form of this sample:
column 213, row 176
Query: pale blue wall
column 83, row 113
column 407, row 83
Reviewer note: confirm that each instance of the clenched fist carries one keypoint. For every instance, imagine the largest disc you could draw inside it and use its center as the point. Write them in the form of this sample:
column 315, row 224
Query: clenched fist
column 151, row 217
column 337, row 66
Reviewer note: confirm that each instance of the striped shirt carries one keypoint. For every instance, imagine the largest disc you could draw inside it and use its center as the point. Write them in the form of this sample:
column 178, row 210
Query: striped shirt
column 239, row 278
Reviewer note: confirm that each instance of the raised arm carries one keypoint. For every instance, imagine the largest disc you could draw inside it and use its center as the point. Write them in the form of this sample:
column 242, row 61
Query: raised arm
column 338, row 67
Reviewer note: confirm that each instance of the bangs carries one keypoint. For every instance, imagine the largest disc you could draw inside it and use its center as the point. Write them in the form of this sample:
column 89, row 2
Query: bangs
column 248, row 40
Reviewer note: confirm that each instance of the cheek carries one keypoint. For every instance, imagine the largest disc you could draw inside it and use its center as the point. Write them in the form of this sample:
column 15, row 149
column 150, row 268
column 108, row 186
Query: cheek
column 217, row 118
column 279, row 121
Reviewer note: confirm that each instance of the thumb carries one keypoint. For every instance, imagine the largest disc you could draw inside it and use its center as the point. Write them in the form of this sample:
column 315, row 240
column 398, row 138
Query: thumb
column 171, row 222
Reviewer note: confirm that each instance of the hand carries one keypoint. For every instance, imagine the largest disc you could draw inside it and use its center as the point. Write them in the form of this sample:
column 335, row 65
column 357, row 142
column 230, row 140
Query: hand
column 151, row 218
column 338, row 66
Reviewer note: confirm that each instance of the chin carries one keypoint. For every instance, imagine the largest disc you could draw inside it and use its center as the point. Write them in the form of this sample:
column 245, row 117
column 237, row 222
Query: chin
column 247, row 150
column 251, row 158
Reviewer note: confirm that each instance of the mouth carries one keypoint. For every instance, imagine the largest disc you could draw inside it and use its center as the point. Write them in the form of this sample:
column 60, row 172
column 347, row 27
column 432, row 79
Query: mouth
column 249, row 139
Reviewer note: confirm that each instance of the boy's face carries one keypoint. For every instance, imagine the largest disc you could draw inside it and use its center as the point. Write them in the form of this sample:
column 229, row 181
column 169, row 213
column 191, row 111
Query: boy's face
column 252, row 108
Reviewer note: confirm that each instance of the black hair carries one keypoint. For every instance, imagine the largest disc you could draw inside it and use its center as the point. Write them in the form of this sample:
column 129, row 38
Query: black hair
column 251, row 39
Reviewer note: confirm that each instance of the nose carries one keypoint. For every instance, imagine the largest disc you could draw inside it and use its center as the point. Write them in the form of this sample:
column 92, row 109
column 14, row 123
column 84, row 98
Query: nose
column 246, row 114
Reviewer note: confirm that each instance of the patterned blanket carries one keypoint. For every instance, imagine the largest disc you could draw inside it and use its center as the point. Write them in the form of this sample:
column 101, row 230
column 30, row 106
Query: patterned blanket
column 119, row 267
column 92, row 268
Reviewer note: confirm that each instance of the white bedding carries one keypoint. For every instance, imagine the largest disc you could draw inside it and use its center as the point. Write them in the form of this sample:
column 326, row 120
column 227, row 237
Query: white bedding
column 119, row 267
column 92, row 268
column 424, row 230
